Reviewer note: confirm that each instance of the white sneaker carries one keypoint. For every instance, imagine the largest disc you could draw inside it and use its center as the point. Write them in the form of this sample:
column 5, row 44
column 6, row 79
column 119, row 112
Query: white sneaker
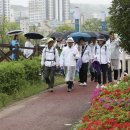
column 98, row 86
column 85, row 84
column 81, row 84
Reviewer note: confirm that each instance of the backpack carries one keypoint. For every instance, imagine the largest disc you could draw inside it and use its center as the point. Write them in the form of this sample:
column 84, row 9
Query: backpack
column 54, row 51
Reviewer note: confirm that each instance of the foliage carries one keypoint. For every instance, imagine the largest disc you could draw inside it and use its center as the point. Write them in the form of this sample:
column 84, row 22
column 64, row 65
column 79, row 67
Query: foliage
column 14, row 74
column 31, row 68
column 3, row 99
column 5, row 27
column 11, row 77
column 11, row 26
column 120, row 19
column 110, row 109
column 63, row 28
column 92, row 25
column 27, row 90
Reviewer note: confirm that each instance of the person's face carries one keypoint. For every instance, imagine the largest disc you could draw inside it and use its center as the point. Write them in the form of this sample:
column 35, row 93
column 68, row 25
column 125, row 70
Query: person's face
column 81, row 42
column 70, row 44
column 17, row 37
column 112, row 36
column 50, row 44
column 100, row 42
column 93, row 41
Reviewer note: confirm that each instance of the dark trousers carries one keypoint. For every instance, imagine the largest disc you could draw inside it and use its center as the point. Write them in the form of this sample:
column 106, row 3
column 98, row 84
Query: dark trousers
column 116, row 74
column 121, row 69
column 49, row 75
column 104, row 73
column 83, row 73
column 109, row 75
column 93, row 73
column 93, row 76
column 70, row 84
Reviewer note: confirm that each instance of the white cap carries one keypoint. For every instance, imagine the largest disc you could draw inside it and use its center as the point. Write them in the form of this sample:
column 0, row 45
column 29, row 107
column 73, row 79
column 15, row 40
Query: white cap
column 50, row 40
column 70, row 39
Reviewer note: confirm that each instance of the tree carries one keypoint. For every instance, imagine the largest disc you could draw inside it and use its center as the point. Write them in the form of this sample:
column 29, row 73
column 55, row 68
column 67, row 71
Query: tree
column 64, row 27
column 5, row 27
column 11, row 26
column 120, row 21
column 93, row 25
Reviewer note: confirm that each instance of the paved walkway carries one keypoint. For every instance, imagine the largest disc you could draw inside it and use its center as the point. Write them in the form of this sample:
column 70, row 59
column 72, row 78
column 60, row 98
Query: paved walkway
column 48, row 111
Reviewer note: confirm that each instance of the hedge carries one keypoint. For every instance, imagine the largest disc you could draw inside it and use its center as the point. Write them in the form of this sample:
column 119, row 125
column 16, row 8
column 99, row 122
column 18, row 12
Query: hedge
column 31, row 68
column 13, row 75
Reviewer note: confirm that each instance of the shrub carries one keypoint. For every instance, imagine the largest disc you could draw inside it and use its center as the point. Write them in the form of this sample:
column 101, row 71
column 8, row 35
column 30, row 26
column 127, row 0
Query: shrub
column 11, row 77
column 3, row 99
column 31, row 68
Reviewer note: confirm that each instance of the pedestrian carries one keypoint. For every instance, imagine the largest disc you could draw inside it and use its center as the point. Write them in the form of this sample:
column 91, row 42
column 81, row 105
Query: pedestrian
column 85, row 57
column 50, row 61
column 55, row 41
column 14, row 46
column 68, row 58
column 28, row 52
column 102, row 59
column 92, row 70
column 114, row 48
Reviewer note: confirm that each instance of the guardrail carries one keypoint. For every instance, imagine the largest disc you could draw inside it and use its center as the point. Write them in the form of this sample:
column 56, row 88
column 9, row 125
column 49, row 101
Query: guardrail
column 6, row 54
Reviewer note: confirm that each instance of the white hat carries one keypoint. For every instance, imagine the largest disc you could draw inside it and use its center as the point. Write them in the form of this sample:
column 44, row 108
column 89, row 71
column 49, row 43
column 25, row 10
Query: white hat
column 70, row 39
column 50, row 40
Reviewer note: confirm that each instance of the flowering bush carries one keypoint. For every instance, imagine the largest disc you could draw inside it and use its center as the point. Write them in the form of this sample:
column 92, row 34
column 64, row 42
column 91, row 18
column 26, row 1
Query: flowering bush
column 110, row 109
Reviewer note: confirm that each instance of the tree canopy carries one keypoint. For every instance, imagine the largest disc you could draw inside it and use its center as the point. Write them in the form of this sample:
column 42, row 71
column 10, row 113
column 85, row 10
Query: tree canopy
column 120, row 21
column 65, row 27
column 91, row 25
column 95, row 25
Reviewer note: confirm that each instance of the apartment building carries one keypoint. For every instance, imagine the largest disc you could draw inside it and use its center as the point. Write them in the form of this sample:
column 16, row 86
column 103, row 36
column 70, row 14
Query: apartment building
column 4, row 10
column 41, row 10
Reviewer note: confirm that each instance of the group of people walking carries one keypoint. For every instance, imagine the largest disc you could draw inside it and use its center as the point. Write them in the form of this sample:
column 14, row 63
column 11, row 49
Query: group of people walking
column 101, row 57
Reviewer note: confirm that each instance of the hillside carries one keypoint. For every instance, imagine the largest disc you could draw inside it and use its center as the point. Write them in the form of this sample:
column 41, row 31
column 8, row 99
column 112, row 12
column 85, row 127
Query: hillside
column 89, row 9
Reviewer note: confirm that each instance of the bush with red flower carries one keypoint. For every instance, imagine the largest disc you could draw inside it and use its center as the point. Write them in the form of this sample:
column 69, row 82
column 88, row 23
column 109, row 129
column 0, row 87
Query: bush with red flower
column 110, row 109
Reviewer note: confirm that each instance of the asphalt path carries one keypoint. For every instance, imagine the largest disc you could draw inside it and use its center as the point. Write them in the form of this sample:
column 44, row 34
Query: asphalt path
column 48, row 111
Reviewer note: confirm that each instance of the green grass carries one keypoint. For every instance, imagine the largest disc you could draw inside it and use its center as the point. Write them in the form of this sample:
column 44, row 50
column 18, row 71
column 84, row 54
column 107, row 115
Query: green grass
column 28, row 90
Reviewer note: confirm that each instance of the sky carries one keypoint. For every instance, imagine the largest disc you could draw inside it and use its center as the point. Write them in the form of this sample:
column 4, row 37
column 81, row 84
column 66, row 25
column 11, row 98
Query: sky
column 25, row 2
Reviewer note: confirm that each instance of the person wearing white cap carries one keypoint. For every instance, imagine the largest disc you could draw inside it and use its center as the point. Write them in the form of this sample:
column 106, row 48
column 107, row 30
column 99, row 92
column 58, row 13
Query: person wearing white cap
column 68, row 58
column 50, row 60
column 101, row 55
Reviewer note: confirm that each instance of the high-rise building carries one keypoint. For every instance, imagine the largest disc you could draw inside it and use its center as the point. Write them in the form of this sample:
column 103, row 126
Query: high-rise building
column 4, row 10
column 24, row 25
column 37, row 10
column 41, row 10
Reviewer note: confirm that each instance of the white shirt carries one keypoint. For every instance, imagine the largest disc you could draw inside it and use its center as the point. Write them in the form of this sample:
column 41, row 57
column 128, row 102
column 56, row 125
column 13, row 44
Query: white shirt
column 79, row 47
column 101, row 54
column 50, row 57
column 28, row 52
column 86, row 55
column 114, row 48
column 92, row 46
column 68, row 56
